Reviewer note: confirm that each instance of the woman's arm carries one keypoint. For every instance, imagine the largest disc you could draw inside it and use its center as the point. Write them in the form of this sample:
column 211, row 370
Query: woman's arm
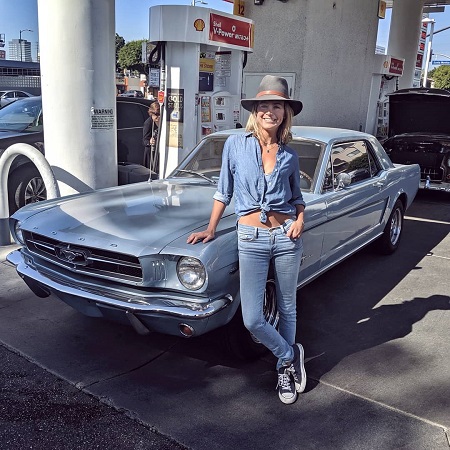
column 208, row 234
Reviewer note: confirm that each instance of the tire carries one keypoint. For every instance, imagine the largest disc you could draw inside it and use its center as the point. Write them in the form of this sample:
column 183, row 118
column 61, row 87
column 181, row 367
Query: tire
column 25, row 186
column 238, row 341
column 390, row 239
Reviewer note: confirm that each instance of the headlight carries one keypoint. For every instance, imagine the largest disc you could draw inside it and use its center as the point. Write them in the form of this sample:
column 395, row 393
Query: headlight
column 17, row 233
column 191, row 273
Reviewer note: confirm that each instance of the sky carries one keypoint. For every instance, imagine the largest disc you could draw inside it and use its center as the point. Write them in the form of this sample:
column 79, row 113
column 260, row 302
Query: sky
column 132, row 21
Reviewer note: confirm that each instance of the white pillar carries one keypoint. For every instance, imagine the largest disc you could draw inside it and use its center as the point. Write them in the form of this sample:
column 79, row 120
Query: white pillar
column 77, row 44
column 404, row 36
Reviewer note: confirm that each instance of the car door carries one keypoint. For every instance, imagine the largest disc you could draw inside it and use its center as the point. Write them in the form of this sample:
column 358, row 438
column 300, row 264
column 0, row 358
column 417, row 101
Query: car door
column 355, row 199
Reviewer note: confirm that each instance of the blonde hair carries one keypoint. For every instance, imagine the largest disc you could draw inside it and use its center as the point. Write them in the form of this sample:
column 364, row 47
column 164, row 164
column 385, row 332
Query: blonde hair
column 284, row 134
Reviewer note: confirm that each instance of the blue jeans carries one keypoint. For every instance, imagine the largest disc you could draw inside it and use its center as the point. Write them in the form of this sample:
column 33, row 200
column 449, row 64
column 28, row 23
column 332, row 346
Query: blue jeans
column 257, row 247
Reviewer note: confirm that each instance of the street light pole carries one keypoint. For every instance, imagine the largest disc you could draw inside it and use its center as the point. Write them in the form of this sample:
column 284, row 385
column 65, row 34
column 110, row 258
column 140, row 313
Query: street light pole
column 20, row 41
column 430, row 42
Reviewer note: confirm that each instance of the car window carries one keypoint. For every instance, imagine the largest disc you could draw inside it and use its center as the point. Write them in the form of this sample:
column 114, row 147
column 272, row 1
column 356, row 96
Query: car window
column 308, row 155
column 131, row 115
column 208, row 159
column 22, row 115
column 9, row 95
column 352, row 158
column 21, row 94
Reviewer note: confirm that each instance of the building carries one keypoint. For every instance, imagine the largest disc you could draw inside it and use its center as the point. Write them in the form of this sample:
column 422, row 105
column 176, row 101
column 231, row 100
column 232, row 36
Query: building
column 20, row 50
column 25, row 76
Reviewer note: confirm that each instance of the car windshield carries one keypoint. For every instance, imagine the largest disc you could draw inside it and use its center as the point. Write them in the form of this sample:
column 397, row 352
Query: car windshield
column 206, row 160
column 24, row 115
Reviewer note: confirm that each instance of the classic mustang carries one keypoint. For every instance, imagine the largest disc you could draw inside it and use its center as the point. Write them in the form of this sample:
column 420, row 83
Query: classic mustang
column 419, row 133
column 121, row 253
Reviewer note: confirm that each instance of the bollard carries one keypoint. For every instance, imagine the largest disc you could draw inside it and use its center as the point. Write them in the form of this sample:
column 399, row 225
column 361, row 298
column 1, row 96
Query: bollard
column 41, row 164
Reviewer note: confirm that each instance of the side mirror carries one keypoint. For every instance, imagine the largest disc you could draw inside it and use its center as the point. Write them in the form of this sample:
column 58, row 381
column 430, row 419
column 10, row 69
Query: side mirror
column 343, row 180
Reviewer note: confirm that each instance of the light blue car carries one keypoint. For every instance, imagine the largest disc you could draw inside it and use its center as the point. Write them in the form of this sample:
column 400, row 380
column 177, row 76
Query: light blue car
column 121, row 253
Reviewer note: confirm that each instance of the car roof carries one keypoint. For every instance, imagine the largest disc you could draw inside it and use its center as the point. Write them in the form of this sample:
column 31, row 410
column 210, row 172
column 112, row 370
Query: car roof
column 323, row 134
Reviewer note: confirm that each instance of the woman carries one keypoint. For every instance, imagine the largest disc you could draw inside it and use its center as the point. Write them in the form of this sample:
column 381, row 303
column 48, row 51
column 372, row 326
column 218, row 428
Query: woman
column 150, row 133
column 263, row 174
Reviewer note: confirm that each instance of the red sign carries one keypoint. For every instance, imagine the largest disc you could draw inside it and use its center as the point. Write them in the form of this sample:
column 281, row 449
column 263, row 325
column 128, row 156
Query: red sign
column 230, row 31
column 396, row 67
column 160, row 97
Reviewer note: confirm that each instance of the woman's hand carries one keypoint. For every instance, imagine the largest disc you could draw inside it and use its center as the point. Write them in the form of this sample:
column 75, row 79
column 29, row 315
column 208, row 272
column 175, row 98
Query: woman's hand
column 203, row 236
column 296, row 229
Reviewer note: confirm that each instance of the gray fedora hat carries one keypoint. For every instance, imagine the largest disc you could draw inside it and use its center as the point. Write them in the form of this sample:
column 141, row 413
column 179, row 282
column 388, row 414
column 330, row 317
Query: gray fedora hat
column 272, row 88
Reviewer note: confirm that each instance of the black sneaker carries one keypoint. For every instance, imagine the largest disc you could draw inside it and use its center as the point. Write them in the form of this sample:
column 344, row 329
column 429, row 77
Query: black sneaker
column 297, row 368
column 286, row 386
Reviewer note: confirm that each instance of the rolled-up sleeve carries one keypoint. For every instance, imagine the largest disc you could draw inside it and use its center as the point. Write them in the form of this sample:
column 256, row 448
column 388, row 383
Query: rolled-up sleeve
column 225, row 186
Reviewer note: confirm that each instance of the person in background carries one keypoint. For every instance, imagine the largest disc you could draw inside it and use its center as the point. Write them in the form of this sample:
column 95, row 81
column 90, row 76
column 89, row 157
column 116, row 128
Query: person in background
column 263, row 174
column 150, row 135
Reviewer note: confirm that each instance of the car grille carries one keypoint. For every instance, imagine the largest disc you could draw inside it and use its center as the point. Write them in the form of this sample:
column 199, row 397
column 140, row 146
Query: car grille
column 427, row 154
column 431, row 172
column 85, row 260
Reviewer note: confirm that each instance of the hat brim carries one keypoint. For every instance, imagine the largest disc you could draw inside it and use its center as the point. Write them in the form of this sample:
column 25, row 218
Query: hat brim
column 296, row 105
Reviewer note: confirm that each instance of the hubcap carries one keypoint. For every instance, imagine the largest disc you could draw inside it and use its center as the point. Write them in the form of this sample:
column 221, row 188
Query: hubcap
column 35, row 191
column 396, row 227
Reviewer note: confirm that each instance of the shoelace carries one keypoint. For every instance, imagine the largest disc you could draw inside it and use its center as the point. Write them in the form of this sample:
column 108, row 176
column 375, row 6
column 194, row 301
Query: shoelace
column 283, row 381
column 291, row 369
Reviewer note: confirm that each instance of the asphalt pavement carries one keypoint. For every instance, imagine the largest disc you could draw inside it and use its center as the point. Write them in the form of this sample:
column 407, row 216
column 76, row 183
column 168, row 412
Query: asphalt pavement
column 376, row 336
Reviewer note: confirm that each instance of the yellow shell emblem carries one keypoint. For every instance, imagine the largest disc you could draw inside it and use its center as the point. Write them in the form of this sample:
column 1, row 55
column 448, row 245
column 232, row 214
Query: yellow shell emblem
column 199, row 25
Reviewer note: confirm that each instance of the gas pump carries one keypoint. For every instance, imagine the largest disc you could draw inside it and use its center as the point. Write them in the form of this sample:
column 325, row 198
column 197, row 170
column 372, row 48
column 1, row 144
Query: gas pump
column 202, row 53
column 387, row 71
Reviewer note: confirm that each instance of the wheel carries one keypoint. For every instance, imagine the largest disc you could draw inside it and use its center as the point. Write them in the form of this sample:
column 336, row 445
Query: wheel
column 25, row 186
column 390, row 239
column 238, row 340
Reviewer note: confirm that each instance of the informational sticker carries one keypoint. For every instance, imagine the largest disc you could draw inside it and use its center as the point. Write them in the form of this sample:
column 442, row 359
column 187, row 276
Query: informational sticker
column 102, row 118
column 175, row 116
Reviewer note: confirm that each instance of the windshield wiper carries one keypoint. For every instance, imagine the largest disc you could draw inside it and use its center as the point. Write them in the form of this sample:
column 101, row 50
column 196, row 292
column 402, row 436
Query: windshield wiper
column 193, row 172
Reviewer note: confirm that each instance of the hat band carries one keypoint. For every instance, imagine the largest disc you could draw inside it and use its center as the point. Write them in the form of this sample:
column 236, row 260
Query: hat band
column 280, row 94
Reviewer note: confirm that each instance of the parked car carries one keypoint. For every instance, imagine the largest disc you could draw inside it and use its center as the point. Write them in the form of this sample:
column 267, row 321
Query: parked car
column 7, row 97
column 121, row 253
column 22, row 122
column 132, row 93
column 419, row 132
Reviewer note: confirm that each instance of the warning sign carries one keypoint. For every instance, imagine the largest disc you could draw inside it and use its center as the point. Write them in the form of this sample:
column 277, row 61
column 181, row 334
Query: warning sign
column 102, row 118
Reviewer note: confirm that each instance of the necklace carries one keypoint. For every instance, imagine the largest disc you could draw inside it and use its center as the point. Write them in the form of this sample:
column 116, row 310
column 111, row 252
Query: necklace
column 268, row 146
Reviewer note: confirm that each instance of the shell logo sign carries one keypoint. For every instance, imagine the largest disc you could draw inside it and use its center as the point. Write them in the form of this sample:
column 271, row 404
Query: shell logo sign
column 199, row 25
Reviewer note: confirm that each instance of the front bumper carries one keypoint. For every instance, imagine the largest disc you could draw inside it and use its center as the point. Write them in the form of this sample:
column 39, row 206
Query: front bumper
column 151, row 311
column 434, row 186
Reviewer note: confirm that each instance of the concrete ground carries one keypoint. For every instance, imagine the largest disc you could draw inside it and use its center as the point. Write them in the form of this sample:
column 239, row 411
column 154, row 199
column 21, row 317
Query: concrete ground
column 377, row 343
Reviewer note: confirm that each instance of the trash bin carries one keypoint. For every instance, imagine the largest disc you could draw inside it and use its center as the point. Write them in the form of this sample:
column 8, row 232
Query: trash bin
column 132, row 173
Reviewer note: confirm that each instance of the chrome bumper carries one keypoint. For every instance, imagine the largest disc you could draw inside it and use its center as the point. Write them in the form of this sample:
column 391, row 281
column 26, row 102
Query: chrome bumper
column 433, row 186
column 149, row 307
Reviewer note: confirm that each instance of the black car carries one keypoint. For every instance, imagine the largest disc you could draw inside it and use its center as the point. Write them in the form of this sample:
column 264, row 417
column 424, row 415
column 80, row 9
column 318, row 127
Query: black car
column 22, row 122
column 419, row 132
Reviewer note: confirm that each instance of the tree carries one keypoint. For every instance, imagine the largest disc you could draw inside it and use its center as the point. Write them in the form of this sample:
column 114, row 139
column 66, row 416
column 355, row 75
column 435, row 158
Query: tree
column 441, row 77
column 120, row 42
column 130, row 56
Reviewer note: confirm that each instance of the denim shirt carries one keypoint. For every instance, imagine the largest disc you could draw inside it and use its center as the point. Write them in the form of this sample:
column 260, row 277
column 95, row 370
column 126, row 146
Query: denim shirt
column 242, row 174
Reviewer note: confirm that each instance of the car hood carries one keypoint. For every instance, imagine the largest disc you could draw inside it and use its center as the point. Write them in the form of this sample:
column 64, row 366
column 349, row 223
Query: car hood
column 419, row 111
column 137, row 219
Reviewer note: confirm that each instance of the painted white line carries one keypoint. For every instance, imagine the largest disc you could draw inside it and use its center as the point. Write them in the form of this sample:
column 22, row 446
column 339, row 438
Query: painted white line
column 419, row 219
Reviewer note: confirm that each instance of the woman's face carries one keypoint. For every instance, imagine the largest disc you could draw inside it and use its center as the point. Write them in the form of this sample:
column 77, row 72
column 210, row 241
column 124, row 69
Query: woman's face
column 155, row 116
column 270, row 114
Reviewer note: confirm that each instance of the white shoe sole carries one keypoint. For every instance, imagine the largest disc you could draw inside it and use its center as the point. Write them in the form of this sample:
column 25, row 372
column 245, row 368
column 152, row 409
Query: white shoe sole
column 300, row 387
